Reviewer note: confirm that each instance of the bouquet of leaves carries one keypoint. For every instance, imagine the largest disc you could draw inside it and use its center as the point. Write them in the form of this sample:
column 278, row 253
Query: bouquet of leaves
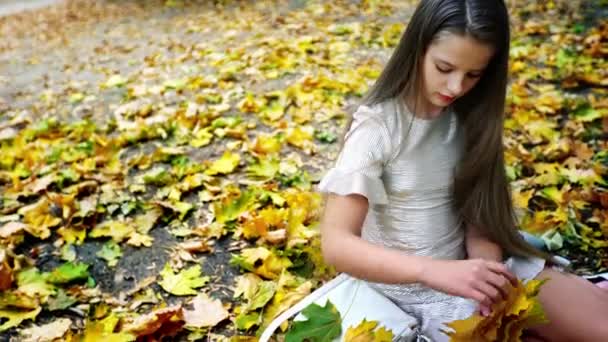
column 508, row 319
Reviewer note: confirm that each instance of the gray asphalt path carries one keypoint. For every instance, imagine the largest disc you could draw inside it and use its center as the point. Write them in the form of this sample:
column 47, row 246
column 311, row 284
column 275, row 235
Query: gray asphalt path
column 8, row 7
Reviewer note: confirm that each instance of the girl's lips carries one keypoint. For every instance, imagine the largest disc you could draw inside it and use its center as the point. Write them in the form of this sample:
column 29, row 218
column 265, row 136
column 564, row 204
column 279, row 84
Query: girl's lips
column 446, row 98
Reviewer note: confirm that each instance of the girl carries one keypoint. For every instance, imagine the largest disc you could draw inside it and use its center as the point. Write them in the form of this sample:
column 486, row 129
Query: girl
column 418, row 202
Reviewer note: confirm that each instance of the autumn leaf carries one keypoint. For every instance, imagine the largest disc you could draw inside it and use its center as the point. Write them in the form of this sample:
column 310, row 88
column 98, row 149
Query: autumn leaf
column 139, row 240
column 263, row 293
column 69, row 272
column 104, row 330
column 183, row 283
column 265, row 168
column 301, row 137
column 157, row 176
column 34, row 284
column 39, row 218
column 231, row 208
column 111, row 252
column 182, row 208
column 12, row 318
column 520, row 310
column 323, row 324
column 48, row 332
column 115, row 81
column 60, row 301
column 206, row 312
column 151, row 322
column 6, row 271
column 118, row 231
column 77, row 166
column 226, row 164
column 366, row 331
column 201, row 137
column 11, row 228
column 267, row 143
column 362, row 332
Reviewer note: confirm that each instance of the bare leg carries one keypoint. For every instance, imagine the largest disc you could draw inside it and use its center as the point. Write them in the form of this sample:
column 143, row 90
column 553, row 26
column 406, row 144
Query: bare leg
column 577, row 310
column 603, row 285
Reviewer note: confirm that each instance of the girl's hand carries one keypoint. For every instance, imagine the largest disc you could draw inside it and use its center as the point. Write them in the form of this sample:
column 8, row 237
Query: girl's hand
column 484, row 281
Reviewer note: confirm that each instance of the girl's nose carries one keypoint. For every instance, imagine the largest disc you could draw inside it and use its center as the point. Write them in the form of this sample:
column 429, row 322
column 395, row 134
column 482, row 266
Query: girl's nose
column 455, row 85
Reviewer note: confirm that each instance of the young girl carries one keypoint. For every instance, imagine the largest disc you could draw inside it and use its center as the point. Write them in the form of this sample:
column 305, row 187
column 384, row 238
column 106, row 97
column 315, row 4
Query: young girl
column 419, row 203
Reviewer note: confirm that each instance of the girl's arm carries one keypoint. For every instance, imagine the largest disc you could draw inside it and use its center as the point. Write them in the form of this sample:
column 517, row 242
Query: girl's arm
column 344, row 248
column 482, row 280
column 479, row 246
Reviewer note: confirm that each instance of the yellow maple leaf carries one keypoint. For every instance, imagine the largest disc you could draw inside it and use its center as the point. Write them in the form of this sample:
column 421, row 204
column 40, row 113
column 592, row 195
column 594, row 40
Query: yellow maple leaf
column 383, row 335
column 521, row 198
column 246, row 285
column 272, row 266
column 226, row 164
column 301, row 137
column 366, row 331
column 15, row 317
column 72, row 235
column 520, row 310
column 117, row 230
column 267, row 144
column 362, row 332
column 39, row 218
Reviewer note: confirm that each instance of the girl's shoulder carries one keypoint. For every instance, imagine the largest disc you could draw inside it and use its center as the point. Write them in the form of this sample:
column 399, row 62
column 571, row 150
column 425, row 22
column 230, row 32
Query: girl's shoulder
column 385, row 113
column 387, row 120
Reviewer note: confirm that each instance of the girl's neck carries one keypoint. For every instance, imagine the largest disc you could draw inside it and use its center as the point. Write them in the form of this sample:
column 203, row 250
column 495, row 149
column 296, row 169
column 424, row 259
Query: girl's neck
column 421, row 108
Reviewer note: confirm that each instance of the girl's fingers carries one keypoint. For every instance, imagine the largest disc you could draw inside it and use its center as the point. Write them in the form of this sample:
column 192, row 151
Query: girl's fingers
column 490, row 291
column 500, row 283
column 484, row 310
column 502, row 269
column 481, row 298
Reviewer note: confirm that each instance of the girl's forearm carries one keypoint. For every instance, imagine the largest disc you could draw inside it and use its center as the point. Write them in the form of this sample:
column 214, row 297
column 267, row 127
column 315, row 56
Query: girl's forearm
column 363, row 260
column 479, row 247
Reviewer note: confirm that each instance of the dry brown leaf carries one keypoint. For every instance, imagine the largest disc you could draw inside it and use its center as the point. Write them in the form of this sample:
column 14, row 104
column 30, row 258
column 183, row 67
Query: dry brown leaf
column 11, row 228
column 6, row 272
column 149, row 323
column 48, row 332
column 206, row 312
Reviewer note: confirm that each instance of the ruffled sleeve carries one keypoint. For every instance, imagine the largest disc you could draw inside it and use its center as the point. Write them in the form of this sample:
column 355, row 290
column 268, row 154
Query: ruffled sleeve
column 358, row 169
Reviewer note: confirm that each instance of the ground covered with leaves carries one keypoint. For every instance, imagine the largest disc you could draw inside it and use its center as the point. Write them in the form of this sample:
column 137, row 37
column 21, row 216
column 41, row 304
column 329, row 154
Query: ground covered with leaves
column 158, row 159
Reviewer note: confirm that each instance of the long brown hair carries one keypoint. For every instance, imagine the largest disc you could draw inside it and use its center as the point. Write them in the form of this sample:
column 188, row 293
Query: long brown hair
column 481, row 189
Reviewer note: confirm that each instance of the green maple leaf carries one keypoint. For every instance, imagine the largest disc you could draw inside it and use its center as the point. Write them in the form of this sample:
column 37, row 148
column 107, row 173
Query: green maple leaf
column 61, row 301
column 183, row 283
column 12, row 318
column 33, row 283
column 323, row 324
column 262, row 295
column 157, row 176
column 110, row 252
column 226, row 212
column 325, row 137
column 265, row 168
column 69, row 272
column 246, row 321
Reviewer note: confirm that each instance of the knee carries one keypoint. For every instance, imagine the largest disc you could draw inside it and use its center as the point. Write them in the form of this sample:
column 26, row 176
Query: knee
column 603, row 333
column 595, row 330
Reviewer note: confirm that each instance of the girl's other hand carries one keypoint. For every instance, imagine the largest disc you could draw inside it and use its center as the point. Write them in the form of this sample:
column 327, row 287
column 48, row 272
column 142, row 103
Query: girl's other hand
column 484, row 281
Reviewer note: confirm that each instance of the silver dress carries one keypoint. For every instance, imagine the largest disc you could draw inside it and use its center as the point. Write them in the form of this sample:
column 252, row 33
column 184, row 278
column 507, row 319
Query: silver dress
column 405, row 166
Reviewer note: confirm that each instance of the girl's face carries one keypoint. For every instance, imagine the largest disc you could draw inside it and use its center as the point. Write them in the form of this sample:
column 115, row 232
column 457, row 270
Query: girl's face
column 452, row 65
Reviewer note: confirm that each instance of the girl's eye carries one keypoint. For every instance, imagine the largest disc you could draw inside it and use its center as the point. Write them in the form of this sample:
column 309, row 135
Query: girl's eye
column 442, row 70
column 474, row 75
